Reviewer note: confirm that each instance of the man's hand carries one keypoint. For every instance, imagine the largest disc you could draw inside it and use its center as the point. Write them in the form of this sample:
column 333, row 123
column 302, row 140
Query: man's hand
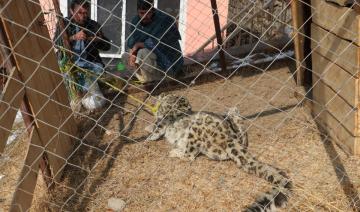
column 139, row 45
column 79, row 36
column 97, row 37
column 133, row 53
column 132, row 60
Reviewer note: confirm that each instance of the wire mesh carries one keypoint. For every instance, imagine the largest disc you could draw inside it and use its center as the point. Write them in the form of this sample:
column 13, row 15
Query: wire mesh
column 111, row 156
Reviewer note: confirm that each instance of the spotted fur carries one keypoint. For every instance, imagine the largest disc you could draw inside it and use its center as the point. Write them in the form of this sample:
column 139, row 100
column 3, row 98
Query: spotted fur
column 219, row 137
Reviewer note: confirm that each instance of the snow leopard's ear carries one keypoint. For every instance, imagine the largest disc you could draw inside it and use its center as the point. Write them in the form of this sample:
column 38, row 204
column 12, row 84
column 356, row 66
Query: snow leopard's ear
column 162, row 95
column 184, row 104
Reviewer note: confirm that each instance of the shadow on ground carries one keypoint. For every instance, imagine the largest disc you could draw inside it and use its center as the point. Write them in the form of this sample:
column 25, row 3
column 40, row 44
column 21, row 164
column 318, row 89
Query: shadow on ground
column 348, row 187
column 76, row 190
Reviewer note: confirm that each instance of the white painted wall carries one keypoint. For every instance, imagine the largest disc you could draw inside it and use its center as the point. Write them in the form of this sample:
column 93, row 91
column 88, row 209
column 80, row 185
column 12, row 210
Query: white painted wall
column 182, row 22
column 64, row 7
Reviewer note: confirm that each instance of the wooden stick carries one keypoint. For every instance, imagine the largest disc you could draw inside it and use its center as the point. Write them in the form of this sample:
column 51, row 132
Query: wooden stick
column 13, row 94
column 24, row 192
column 218, row 34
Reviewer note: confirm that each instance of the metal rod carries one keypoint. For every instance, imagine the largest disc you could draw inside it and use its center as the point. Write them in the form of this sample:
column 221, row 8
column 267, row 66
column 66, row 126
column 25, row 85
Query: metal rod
column 218, row 34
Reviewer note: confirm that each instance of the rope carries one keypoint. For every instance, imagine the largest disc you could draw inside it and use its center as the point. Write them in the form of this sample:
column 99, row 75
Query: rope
column 66, row 66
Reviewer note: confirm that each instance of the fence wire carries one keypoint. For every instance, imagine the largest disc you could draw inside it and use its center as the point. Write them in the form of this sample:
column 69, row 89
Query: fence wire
column 113, row 162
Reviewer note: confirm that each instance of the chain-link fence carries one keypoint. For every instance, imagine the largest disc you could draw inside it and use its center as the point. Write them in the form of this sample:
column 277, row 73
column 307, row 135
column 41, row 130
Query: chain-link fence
column 81, row 81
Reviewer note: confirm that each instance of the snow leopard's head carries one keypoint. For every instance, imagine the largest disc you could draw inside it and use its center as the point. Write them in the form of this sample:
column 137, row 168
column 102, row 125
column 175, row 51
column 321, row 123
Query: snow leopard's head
column 170, row 105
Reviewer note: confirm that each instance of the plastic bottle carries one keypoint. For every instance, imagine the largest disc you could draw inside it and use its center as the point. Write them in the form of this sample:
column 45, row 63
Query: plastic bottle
column 120, row 66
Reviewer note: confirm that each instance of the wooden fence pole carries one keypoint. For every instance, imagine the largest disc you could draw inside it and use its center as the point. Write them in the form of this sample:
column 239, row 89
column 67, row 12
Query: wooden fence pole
column 299, row 40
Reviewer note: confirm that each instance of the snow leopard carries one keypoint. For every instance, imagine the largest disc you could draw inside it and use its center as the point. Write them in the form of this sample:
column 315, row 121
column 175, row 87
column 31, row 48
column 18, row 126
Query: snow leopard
column 219, row 137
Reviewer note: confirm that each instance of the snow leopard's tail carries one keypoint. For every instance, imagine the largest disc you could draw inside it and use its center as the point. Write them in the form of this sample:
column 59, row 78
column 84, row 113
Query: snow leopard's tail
column 278, row 196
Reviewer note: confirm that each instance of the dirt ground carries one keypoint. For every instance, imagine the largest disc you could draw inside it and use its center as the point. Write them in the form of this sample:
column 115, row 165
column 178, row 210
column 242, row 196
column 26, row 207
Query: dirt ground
column 115, row 160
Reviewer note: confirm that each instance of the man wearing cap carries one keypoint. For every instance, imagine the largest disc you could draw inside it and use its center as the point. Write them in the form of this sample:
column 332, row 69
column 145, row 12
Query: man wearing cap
column 154, row 44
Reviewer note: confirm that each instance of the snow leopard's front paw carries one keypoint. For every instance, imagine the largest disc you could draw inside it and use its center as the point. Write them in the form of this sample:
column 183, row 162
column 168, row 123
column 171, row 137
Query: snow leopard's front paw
column 155, row 133
column 153, row 137
column 176, row 153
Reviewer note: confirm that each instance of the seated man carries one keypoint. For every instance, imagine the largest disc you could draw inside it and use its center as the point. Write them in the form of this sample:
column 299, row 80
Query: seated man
column 86, row 39
column 154, row 44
